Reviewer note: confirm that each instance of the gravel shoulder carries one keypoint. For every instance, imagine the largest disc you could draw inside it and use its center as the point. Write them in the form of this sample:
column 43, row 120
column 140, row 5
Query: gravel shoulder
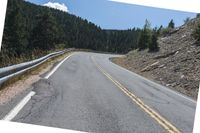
column 16, row 86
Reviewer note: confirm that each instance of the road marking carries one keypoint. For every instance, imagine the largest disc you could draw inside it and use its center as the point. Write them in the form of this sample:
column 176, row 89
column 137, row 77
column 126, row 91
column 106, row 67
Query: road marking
column 26, row 99
column 169, row 90
column 55, row 68
column 18, row 107
column 157, row 117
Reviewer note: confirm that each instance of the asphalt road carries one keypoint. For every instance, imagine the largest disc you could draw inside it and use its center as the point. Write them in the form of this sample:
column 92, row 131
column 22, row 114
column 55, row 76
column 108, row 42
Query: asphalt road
column 90, row 93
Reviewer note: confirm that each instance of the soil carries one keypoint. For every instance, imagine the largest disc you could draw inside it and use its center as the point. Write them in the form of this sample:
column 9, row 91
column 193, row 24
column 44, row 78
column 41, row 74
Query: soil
column 177, row 63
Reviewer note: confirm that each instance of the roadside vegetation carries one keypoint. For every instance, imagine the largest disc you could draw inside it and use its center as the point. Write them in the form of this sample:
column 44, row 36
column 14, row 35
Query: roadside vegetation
column 32, row 31
column 196, row 33
column 175, row 63
column 165, row 54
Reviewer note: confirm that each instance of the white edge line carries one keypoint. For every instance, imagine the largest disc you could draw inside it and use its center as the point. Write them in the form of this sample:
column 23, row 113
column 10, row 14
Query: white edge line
column 18, row 107
column 196, row 127
column 55, row 68
column 169, row 90
column 24, row 70
column 26, row 99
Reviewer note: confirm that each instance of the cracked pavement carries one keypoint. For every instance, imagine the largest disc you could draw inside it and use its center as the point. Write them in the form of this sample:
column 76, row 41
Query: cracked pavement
column 79, row 97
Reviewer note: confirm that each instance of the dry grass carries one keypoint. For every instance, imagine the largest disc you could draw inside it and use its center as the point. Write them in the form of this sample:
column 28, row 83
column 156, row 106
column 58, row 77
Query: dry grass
column 19, row 84
column 42, row 68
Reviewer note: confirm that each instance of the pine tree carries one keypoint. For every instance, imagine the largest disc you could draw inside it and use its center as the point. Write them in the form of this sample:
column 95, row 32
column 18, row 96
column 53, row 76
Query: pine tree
column 159, row 30
column 187, row 20
column 145, row 35
column 153, row 45
column 15, row 31
column 45, row 34
column 196, row 33
column 171, row 24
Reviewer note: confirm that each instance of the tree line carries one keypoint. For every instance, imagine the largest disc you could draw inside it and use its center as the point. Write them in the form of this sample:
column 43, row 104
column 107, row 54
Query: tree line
column 31, row 31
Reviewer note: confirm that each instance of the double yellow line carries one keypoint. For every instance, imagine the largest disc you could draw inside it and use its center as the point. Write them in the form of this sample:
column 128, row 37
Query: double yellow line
column 157, row 117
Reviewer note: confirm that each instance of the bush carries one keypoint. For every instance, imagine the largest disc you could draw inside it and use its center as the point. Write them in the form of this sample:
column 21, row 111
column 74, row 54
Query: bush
column 196, row 33
column 186, row 20
column 171, row 24
column 165, row 31
column 145, row 36
column 153, row 45
column 198, row 15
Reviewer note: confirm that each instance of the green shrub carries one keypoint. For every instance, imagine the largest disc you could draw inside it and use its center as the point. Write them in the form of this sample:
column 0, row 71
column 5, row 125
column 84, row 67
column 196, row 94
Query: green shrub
column 153, row 45
column 196, row 33
column 145, row 36
column 165, row 31
column 171, row 24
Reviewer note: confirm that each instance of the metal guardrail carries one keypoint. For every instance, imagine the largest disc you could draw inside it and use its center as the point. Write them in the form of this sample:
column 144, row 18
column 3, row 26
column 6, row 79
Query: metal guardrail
column 14, row 70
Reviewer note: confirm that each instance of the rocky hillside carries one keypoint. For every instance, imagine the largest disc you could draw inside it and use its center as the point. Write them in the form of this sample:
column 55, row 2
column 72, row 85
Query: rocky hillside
column 176, row 65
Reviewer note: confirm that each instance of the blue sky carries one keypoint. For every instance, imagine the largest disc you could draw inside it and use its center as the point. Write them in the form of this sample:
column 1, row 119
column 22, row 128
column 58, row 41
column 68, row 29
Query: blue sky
column 113, row 15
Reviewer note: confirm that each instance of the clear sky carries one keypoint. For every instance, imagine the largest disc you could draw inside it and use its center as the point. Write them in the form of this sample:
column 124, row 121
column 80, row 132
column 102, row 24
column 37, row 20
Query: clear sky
column 113, row 15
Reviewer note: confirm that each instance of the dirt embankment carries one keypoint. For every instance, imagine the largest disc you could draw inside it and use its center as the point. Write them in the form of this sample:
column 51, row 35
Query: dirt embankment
column 176, row 65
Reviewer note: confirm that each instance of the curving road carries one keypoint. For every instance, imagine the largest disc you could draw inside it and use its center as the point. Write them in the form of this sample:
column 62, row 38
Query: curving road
column 89, row 93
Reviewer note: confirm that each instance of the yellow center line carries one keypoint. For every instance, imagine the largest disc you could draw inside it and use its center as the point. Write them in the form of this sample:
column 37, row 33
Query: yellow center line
column 157, row 117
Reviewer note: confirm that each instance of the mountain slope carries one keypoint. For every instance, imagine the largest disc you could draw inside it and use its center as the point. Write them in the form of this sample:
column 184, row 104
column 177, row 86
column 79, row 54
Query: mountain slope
column 175, row 65
column 32, row 30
